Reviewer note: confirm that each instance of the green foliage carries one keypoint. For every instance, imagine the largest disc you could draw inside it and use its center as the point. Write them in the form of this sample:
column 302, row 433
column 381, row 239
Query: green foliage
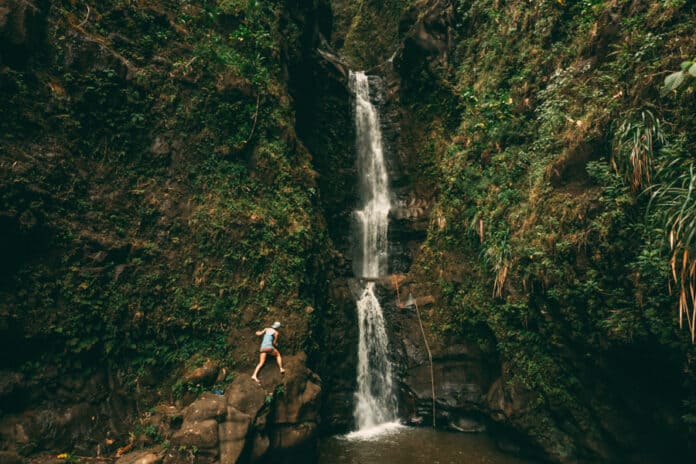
column 173, row 195
column 674, row 202
column 563, row 265
column 374, row 31
column 180, row 388
column 674, row 81
column 673, row 211
column 634, row 148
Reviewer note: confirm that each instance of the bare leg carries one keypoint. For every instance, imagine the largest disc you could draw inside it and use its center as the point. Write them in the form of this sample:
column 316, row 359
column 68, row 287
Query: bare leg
column 262, row 361
column 279, row 360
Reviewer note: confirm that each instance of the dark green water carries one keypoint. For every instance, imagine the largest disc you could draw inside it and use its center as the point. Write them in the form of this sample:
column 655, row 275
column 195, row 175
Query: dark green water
column 410, row 445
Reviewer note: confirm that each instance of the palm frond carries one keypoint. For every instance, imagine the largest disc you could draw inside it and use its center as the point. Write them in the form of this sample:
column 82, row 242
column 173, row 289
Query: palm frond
column 674, row 205
column 634, row 148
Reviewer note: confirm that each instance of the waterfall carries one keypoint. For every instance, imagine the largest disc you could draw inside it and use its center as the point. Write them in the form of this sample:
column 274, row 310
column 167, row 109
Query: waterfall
column 375, row 401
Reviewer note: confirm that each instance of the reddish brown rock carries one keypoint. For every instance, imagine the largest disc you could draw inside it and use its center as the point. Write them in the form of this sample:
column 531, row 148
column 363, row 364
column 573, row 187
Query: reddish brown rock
column 245, row 395
column 203, row 375
column 199, row 434
column 233, row 435
column 290, row 436
column 207, row 406
column 260, row 446
column 299, row 401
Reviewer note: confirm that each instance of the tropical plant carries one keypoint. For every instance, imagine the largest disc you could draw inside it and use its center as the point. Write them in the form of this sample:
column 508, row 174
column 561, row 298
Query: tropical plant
column 674, row 204
column 634, row 147
column 674, row 80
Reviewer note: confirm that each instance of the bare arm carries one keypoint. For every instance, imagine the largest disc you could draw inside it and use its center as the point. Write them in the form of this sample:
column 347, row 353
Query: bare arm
column 275, row 339
column 260, row 332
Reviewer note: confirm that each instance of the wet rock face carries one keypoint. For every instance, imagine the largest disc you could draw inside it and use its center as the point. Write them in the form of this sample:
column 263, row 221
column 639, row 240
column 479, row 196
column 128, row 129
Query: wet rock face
column 462, row 374
column 275, row 419
column 326, row 127
column 459, row 381
column 471, row 391
column 337, row 358
column 468, row 386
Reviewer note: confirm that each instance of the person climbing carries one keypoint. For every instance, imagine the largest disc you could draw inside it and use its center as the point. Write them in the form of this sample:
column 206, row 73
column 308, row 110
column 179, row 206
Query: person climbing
column 269, row 345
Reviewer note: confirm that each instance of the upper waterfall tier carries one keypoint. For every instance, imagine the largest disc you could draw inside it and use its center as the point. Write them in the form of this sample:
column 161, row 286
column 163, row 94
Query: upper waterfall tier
column 373, row 215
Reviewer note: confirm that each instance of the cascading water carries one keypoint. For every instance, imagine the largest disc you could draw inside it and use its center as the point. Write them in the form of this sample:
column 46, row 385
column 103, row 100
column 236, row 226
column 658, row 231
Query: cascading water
column 375, row 399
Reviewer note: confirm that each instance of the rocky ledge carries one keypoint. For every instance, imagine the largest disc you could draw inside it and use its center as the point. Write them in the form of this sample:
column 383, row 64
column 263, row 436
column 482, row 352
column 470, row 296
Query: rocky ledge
column 272, row 421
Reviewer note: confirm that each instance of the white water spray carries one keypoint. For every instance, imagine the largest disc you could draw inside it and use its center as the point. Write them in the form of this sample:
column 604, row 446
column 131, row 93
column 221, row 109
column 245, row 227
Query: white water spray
column 375, row 399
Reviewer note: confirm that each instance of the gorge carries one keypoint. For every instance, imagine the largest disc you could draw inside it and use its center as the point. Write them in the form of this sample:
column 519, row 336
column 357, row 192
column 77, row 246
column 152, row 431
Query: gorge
column 177, row 175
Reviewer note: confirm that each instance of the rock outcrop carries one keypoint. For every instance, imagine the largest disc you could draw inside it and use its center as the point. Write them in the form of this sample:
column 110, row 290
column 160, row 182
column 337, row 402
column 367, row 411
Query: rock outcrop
column 277, row 419
column 78, row 295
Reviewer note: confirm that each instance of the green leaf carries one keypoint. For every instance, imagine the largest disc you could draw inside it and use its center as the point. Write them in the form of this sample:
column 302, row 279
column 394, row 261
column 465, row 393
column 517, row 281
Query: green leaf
column 686, row 65
column 673, row 81
column 692, row 70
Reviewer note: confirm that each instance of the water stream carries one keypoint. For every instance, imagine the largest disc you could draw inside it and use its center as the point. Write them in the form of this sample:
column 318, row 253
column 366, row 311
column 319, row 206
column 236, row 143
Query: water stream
column 379, row 437
column 375, row 400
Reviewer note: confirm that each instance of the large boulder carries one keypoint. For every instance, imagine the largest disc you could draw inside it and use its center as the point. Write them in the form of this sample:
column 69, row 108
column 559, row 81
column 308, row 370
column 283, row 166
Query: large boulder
column 293, row 420
column 233, row 435
column 292, row 436
column 252, row 419
column 201, row 425
column 202, row 435
column 246, row 395
column 207, row 406
column 204, row 374
column 220, row 425
column 298, row 402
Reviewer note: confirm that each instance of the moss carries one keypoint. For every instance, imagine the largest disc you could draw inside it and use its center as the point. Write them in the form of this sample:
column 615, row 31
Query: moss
column 157, row 203
column 374, row 33
column 174, row 203
column 564, row 275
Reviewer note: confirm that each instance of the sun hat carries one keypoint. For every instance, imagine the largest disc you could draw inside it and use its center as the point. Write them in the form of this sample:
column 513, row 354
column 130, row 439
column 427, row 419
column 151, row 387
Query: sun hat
column 276, row 325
